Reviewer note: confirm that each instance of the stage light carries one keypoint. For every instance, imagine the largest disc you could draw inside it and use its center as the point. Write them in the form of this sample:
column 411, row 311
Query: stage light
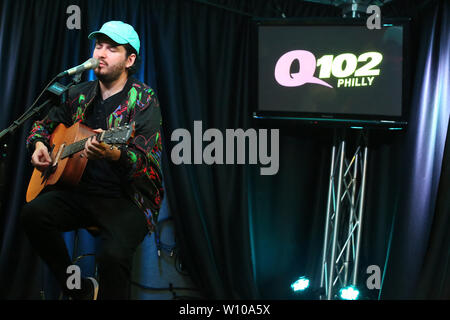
column 300, row 284
column 349, row 293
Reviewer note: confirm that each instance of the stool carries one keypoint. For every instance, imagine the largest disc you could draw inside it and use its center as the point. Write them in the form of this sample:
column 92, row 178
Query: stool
column 94, row 231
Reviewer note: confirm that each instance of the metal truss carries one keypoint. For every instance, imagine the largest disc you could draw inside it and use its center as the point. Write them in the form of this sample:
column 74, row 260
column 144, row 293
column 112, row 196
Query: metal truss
column 343, row 225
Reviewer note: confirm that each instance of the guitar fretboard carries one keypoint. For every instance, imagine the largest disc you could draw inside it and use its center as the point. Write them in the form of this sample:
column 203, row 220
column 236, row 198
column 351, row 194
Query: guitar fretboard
column 75, row 147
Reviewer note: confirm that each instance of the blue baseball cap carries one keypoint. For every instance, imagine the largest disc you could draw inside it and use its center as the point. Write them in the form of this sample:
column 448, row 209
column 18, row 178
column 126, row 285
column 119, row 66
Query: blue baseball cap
column 119, row 32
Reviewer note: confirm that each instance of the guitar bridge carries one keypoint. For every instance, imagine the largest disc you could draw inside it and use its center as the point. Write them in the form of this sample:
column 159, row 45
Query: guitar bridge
column 52, row 168
column 48, row 172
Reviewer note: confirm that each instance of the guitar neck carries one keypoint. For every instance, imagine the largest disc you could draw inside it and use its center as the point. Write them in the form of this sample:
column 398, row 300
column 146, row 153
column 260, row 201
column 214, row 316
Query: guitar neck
column 119, row 135
column 75, row 147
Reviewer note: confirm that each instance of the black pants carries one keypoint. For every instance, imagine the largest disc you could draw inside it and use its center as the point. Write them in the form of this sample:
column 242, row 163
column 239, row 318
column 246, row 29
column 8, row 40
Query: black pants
column 122, row 228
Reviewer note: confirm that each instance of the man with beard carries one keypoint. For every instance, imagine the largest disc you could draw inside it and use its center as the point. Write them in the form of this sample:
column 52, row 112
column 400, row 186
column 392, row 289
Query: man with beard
column 120, row 192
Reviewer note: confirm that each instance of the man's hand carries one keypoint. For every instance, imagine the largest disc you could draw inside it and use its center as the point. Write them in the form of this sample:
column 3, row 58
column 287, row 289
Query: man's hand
column 41, row 158
column 95, row 150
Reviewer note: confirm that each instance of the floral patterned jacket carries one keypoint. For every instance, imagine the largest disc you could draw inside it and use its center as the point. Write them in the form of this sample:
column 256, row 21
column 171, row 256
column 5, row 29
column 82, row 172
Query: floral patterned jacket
column 140, row 159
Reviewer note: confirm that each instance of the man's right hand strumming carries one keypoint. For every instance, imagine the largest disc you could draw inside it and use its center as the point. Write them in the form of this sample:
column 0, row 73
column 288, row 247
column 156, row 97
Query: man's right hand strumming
column 41, row 158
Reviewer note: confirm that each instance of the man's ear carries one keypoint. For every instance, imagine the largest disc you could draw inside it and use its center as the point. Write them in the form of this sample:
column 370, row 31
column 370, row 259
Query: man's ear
column 130, row 60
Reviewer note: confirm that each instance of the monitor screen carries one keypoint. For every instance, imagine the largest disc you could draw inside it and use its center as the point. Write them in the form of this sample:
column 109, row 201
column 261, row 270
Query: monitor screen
column 331, row 70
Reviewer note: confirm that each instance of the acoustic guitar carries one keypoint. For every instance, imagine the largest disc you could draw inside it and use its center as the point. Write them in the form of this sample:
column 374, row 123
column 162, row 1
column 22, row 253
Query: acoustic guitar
column 68, row 163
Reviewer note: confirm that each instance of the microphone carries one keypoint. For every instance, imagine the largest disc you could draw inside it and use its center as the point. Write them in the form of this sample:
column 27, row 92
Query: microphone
column 92, row 63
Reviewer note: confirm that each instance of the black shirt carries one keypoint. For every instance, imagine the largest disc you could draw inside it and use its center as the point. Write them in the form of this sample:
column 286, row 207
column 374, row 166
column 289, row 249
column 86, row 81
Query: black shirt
column 100, row 176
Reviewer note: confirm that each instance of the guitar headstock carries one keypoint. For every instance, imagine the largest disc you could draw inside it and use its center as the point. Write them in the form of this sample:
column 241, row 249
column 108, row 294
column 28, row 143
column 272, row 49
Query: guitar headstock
column 118, row 135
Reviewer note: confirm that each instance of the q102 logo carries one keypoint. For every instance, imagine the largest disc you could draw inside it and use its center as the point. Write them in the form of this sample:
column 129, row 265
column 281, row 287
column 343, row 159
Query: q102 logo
column 344, row 67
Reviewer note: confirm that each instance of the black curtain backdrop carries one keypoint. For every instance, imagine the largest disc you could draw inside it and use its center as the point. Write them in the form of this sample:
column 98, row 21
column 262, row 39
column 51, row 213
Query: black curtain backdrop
column 413, row 267
column 242, row 235
column 436, row 263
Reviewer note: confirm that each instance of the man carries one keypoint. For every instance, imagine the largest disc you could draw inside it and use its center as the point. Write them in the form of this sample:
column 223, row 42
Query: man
column 120, row 191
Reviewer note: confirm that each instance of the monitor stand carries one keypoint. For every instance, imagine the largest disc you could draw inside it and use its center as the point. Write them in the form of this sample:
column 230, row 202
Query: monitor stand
column 344, row 216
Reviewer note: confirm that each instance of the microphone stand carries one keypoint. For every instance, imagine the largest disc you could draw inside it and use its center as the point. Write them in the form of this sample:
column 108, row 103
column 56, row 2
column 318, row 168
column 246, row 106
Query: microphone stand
column 58, row 90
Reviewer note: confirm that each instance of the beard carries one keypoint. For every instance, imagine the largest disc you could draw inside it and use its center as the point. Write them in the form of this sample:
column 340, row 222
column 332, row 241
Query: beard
column 113, row 73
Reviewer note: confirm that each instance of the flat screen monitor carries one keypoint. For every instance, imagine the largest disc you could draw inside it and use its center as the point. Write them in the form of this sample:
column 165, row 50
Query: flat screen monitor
column 332, row 70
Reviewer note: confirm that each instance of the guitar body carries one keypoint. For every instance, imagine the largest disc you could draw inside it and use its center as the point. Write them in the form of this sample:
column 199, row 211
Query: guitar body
column 67, row 171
